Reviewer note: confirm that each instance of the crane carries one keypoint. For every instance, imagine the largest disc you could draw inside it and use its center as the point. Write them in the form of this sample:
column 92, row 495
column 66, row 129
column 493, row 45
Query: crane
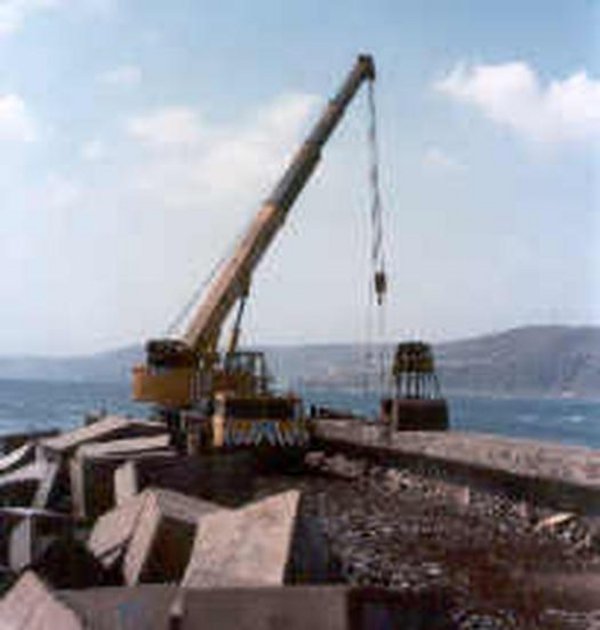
column 189, row 372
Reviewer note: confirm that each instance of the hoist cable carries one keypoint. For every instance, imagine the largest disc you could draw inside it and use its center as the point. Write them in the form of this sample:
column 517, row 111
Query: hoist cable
column 377, row 244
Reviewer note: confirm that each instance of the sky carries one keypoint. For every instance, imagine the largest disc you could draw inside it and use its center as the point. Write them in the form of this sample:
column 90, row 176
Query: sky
column 139, row 137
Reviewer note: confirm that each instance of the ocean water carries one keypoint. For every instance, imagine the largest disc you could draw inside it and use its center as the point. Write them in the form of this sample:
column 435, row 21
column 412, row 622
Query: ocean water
column 26, row 405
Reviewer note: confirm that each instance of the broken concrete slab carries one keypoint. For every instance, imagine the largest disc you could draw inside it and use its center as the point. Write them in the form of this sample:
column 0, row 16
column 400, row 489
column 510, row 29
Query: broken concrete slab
column 30, row 605
column 249, row 546
column 109, row 428
column 93, row 465
column 159, row 549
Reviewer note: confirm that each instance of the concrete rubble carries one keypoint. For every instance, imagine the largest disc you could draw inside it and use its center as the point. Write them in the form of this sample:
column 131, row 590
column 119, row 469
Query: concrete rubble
column 142, row 535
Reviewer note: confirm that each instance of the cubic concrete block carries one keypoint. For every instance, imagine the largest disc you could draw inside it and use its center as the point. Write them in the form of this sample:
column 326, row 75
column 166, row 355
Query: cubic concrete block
column 249, row 546
column 152, row 533
column 92, row 470
column 159, row 549
column 113, row 530
column 30, row 605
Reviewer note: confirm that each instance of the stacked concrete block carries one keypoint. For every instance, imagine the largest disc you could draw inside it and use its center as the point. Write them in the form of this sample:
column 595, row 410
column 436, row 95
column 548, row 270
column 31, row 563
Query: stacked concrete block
column 151, row 534
column 93, row 465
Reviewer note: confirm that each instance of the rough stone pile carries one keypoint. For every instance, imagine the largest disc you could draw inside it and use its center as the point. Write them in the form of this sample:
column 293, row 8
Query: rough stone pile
column 484, row 560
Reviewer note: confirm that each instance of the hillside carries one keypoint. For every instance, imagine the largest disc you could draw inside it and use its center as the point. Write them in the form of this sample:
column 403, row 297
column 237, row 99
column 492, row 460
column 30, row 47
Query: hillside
column 529, row 361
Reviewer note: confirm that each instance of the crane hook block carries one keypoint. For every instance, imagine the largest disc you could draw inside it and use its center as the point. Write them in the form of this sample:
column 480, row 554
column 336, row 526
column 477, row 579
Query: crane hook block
column 380, row 285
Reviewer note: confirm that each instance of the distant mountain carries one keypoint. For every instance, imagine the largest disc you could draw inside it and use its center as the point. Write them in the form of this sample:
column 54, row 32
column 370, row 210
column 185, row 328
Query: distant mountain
column 529, row 361
column 110, row 366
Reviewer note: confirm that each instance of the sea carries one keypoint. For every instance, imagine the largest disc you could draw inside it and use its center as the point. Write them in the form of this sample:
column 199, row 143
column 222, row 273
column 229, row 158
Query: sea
column 36, row 405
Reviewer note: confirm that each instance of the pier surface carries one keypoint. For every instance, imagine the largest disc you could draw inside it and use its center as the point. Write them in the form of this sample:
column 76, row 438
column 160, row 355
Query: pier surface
column 563, row 476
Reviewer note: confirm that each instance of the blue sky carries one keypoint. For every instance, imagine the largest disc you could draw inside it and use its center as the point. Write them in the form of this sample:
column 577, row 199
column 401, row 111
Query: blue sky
column 137, row 138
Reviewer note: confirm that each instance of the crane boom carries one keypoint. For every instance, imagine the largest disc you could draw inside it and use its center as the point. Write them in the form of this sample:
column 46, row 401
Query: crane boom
column 232, row 280
column 179, row 372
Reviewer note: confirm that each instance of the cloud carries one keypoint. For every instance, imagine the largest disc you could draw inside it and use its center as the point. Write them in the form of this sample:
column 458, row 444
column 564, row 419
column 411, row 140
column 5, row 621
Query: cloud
column 512, row 94
column 13, row 13
column 191, row 159
column 93, row 150
column 167, row 126
column 123, row 76
column 60, row 193
column 439, row 159
column 16, row 124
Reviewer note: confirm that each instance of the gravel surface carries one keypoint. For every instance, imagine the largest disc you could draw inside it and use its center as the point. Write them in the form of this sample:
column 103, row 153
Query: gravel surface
column 476, row 559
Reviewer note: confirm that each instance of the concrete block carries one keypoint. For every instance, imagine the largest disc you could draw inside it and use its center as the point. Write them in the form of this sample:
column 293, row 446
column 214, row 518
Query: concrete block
column 249, row 546
column 11, row 517
column 31, row 605
column 297, row 608
column 125, row 482
column 92, row 469
column 159, row 549
column 13, row 441
column 109, row 428
column 112, row 531
column 19, row 486
column 144, row 607
column 32, row 533
column 16, row 458
column 224, row 478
